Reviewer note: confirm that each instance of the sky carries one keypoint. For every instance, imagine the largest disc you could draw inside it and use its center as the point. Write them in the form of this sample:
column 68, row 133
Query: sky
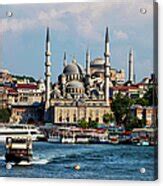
column 74, row 27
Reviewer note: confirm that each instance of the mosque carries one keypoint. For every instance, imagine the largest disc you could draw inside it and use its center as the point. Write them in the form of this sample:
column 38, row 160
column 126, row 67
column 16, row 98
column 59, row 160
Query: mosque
column 80, row 93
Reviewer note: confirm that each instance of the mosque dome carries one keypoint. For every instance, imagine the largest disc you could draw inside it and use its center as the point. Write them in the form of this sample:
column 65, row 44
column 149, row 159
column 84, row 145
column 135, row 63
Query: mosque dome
column 41, row 81
column 73, row 68
column 99, row 61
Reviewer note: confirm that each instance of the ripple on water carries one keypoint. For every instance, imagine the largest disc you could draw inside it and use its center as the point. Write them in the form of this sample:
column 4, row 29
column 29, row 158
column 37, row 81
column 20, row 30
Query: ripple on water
column 96, row 162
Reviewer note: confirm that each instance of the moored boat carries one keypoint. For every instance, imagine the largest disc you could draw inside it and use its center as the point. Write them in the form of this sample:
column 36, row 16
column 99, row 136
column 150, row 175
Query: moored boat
column 20, row 130
column 113, row 139
column 68, row 140
column 54, row 139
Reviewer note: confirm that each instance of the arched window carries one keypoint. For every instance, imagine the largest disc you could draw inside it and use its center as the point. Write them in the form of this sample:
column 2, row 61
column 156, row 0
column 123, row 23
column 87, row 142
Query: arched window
column 75, row 119
column 68, row 119
column 60, row 119
column 97, row 119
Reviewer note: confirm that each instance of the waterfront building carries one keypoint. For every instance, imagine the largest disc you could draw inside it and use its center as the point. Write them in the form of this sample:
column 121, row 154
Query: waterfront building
column 147, row 113
column 3, row 98
column 5, row 76
column 25, row 113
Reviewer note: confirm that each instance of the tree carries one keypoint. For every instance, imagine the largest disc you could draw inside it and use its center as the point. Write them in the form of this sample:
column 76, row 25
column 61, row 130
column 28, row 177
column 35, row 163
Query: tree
column 83, row 123
column 93, row 124
column 121, row 107
column 4, row 115
column 151, row 96
column 141, row 101
column 133, row 122
column 108, row 118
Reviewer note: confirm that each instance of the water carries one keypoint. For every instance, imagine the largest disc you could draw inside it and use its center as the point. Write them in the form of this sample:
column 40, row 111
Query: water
column 96, row 161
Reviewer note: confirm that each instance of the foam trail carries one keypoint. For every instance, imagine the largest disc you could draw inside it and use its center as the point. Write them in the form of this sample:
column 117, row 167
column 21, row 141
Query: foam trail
column 2, row 157
column 40, row 162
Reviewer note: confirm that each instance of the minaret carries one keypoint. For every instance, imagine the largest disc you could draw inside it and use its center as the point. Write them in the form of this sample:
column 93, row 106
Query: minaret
column 88, row 59
column 88, row 73
column 131, row 67
column 64, row 60
column 47, row 75
column 107, row 67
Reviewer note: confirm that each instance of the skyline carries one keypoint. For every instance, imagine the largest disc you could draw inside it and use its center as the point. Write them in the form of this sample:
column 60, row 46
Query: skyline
column 74, row 38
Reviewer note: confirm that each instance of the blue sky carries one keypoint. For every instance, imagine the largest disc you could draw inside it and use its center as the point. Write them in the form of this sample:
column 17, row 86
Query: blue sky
column 74, row 28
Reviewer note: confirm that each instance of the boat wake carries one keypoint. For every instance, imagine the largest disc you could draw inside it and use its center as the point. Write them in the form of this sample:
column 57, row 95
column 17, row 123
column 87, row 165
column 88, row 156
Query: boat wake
column 35, row 161
column 2, row 158
column 38, row 161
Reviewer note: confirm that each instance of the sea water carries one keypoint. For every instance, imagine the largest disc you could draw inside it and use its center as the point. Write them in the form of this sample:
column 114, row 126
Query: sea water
column 112, row 162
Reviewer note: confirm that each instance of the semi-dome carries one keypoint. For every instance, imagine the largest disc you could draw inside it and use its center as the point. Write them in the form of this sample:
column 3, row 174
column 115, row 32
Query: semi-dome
column 98, row 61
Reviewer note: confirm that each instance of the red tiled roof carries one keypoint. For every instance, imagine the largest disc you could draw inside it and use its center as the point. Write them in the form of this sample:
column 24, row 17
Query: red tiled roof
column 9, row 89
column 140, row 84
column 12, row 91
column 26, row 86
column 124, row 88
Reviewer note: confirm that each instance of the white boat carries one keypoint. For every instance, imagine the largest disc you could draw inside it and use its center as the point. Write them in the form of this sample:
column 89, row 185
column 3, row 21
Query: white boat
column 54, row 139
column 68, row 139
column 103, row 139
column 82, row 139
column 143, row 143
column 19, row 130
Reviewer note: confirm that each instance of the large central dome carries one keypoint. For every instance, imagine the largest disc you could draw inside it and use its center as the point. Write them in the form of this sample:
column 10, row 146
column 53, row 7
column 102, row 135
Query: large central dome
column 73, row 68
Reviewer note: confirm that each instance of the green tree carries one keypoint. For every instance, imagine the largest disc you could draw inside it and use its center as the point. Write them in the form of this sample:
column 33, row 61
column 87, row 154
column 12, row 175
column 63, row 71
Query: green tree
column 108, row 118
column 93, row 124
column 83, row 123
column 151, row 96
column 141, row 101
column 121, row 107
column 4, row 115
column 133, row 122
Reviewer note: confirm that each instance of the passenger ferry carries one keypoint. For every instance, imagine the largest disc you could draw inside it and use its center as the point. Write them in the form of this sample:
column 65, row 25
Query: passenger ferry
column 18, row 150
column 19, row 130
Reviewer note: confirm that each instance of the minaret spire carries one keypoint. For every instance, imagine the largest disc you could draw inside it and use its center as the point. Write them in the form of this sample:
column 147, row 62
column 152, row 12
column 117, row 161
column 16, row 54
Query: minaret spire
column 107, row 35
column 47, row 75
column 88, row 73
column 47, row 35
column 131, row 66
column 88, row 59
column 64, row 60
column 107, row 67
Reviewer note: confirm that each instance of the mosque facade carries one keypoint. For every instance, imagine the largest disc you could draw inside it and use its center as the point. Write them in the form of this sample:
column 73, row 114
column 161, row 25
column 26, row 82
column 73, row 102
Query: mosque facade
column 80, row 93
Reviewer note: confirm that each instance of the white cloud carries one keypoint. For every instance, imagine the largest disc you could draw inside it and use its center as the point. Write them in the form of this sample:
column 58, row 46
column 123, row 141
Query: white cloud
column 84, row 18
column 16, row 25
column 120, row 35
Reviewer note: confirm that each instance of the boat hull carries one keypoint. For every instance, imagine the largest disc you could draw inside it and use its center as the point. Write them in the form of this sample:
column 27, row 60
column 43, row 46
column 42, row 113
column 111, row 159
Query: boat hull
column 17, row 159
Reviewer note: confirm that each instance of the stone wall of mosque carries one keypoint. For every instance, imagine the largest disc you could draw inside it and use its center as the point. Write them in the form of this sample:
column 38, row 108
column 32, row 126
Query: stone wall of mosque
column 72, row 114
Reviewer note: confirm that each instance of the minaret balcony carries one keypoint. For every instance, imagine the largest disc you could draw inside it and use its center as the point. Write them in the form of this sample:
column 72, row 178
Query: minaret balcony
column 48, row 63
column 48, row 53
column 47, row 74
